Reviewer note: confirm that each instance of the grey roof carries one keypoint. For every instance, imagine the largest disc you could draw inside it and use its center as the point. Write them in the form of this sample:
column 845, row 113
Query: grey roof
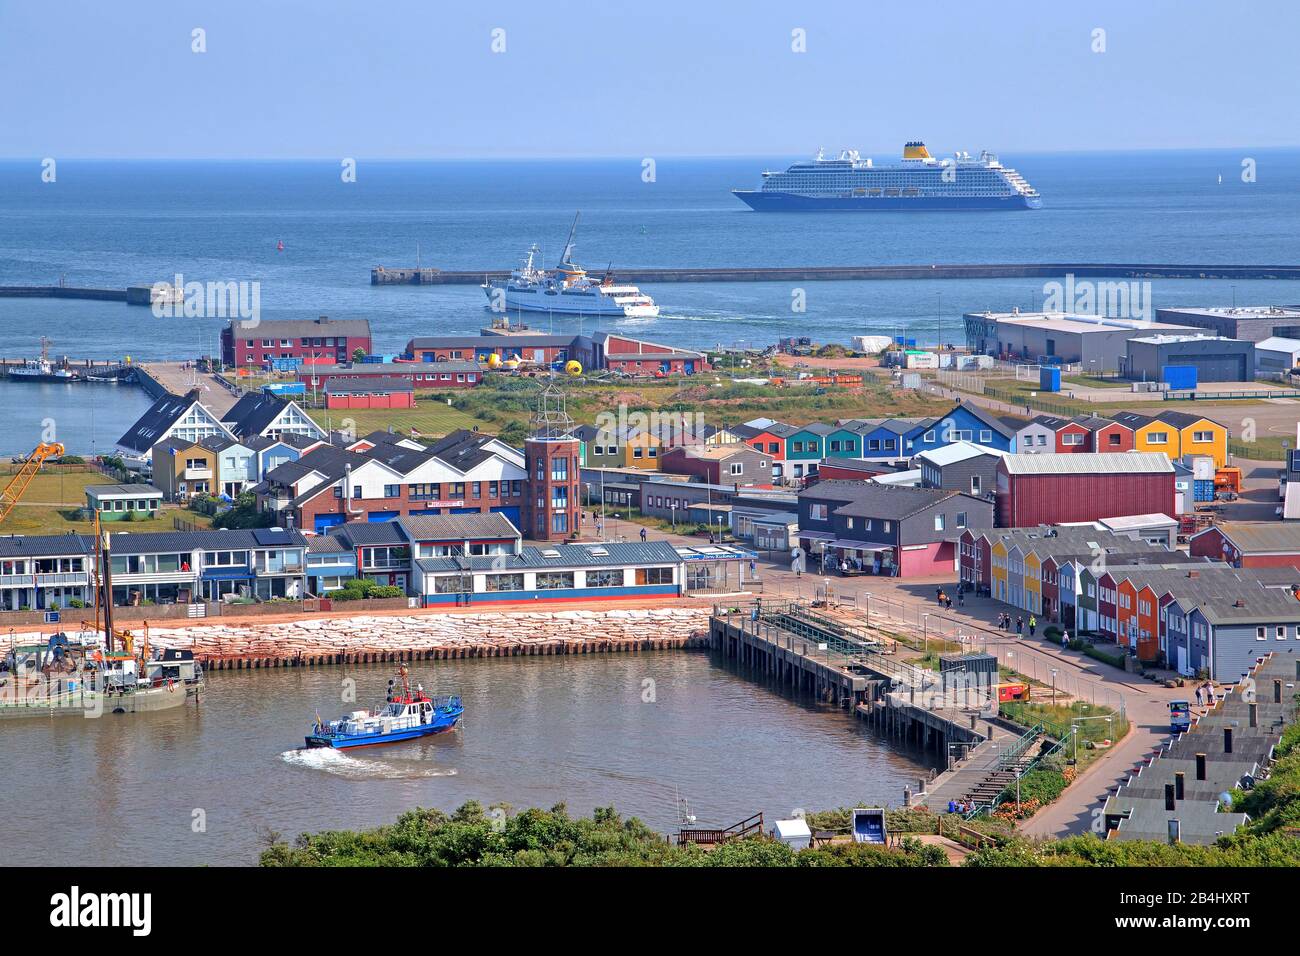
column 870, row 500
column 253, row 413
column 149, row 428
column 451, row 526
column 502, row 342
column 149, row 542
column 303, row 328
column 123, row 491
column 327, row 544
column 616, row 554
column 386, row 383
column 361, row 533
column 45, row 545
column 1258, row 537
column 1096, row 463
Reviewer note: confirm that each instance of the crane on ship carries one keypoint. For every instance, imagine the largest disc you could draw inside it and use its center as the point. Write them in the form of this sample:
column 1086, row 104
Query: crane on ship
column 13, row 492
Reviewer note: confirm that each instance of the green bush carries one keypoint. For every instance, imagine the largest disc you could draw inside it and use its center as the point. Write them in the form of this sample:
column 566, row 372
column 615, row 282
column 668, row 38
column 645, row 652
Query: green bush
column 1052, row 632
column 1096, row 653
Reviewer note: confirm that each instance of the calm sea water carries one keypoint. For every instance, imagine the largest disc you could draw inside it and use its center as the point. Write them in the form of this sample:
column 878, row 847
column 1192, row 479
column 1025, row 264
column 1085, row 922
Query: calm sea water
column 113, row 224
column 537, row 732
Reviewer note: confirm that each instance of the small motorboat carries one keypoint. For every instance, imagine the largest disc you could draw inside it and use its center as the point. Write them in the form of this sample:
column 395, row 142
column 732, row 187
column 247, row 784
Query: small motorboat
column 406, row 715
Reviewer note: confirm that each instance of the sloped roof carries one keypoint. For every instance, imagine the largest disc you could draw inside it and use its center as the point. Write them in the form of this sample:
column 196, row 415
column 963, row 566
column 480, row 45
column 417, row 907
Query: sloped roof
column 253, row 413
column 450, row 526
column 150, row 427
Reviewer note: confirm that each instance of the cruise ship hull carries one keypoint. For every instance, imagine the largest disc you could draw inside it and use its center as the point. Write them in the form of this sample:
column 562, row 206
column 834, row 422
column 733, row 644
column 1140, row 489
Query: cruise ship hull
column 773, row 201
column 571, row 305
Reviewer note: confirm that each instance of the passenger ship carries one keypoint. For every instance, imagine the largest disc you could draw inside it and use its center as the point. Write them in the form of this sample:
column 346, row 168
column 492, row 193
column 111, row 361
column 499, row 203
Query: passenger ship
column 918, row 182
column 566, row 290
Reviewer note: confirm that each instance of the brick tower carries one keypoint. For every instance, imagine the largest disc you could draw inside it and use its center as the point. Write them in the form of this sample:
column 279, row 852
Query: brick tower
column 552, row 507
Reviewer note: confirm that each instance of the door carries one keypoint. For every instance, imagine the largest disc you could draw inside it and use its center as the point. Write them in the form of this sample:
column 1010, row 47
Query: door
column 1182, row 659
column 324, row 522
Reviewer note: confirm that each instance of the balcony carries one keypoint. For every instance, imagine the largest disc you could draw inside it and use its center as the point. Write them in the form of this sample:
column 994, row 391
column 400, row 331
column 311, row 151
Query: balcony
column 196, row 474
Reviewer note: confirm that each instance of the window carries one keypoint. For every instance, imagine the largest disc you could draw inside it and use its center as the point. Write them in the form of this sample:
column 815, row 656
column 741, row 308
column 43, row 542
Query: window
column 504, row 582
column 449, row 584
column 476, row 489
column 886, row 526
column 605, row 579
column 554, row 580
column 392, row 491
column 986, row 434
column 654, row 575
column 636, row 452
column 1072, row 438
column 976, row 485
column 773, row 447
column 1158, row 438
column 835, row 444
column 1281, row 632
column 817, row 512
column 1204, row 436
column 1260, row 634
column 559, row 469
column 961, row 519
column 559, row 523
column 1113, row 439
column 928, row 437
column 737, row 468
column 940, row 521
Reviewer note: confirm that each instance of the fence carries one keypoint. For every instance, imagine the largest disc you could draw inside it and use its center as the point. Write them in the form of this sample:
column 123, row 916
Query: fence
column 1054, row 680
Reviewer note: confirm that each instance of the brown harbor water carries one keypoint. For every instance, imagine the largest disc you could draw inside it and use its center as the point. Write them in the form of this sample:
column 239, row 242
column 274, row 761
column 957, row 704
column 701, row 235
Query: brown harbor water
column 203, row 785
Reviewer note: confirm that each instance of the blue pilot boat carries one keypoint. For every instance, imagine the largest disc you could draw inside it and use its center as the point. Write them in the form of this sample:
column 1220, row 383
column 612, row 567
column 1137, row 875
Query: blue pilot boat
column 406, row 715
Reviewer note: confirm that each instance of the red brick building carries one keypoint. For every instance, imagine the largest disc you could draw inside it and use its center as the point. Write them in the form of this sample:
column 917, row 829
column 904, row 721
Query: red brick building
column 423, row 377
column 322, row 341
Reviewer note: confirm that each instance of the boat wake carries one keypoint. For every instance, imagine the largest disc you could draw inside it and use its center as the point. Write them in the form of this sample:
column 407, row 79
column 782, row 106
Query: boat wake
column 340, row 764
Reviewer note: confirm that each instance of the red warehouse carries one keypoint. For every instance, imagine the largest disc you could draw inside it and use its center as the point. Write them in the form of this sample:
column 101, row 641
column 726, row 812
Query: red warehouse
column 1056, row 489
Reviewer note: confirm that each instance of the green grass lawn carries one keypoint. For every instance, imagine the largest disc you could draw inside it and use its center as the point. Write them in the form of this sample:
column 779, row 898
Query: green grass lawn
column 430, row 418
column 53, row 498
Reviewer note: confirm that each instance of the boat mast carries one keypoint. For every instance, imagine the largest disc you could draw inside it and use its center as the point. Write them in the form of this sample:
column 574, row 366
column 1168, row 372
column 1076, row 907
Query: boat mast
column 104, row 548
column 568, row 246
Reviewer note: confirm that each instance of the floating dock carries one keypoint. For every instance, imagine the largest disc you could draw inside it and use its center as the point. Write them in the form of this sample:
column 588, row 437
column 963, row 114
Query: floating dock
column 381, row 275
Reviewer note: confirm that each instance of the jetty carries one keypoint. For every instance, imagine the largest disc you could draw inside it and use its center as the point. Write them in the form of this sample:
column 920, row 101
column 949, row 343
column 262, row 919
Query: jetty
column 131, row 295
column 810, row 652
column 382, row 275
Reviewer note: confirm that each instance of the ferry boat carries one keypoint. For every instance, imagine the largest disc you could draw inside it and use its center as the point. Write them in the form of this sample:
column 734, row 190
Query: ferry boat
column 920, row 181
column 42, row 369
column 407, row 714
column 566, row 290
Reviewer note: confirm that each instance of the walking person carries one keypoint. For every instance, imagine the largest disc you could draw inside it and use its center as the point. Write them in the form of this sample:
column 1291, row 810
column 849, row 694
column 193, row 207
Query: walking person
column 1033, row 624
column 1200, row 696
column 643, row 534
column 1065, row 640
column 961, row 598
column 1020, row 624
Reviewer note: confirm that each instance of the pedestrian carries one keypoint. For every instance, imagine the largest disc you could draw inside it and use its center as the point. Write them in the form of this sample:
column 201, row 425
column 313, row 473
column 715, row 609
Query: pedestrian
column 1033, row 624
column 961, row 598
column 1200, row 696
column 938, row 595
column 947, row 603
column 1020, row 624
column 1065, row 640
column 643, row 534
column 1213, row 695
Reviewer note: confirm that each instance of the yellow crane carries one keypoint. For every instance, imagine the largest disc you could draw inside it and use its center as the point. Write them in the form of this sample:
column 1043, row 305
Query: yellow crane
column 13, row 491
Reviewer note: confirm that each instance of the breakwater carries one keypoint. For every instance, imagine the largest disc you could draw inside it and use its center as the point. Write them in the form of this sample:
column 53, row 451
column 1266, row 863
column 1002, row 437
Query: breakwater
column 131, row 295
column 381, row 275
column 367, row 640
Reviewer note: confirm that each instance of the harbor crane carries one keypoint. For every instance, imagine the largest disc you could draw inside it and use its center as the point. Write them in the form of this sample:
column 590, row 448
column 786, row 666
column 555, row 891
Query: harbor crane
column 13, row 492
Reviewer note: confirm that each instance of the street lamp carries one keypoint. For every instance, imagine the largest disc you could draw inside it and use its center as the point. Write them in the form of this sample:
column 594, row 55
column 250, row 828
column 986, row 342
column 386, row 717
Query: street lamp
column 673, row 506
column 1053, row 685
column 925, row 625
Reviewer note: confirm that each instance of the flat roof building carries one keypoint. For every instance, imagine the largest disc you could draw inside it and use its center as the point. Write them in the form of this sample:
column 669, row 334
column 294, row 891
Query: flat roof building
column 1096, row 342
column 1215, row 358
column 1253, row 322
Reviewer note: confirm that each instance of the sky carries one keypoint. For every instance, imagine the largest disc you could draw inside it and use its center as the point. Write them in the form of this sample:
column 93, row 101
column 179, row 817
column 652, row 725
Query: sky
column 421, row 79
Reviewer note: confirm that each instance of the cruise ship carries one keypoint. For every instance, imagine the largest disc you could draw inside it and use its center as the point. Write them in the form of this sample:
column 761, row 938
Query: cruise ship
column 566, row 290
column 920, row 181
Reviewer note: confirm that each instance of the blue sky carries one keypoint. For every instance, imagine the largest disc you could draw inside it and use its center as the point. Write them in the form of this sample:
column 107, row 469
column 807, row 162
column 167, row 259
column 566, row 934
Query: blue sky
column 286, row 79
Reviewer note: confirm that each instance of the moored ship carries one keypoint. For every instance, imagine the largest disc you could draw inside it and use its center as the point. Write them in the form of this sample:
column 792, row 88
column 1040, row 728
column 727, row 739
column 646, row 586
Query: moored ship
column 566, row 290
column 919, row 181
column 42, row 369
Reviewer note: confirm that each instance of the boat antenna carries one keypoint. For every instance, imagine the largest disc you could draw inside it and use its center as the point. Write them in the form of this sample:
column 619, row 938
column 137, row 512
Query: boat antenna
column 566, row 258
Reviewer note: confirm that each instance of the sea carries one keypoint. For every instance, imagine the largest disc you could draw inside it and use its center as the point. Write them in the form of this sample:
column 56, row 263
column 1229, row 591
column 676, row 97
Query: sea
column 113, row 224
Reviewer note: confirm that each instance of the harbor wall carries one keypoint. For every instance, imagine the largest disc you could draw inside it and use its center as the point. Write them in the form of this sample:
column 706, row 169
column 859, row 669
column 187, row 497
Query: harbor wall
column 406, row 276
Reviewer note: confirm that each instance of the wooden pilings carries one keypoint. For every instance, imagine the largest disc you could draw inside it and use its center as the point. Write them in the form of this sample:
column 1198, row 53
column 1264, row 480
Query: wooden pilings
column 455, row 652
